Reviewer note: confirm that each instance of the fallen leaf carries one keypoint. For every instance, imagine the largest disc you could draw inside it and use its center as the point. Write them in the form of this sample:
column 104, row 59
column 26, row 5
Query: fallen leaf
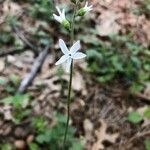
column 102, row 136
column 2, row 65
column 107, row 23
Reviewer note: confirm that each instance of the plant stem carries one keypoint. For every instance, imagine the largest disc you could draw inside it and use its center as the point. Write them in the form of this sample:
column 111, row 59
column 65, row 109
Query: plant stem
column 71, row 72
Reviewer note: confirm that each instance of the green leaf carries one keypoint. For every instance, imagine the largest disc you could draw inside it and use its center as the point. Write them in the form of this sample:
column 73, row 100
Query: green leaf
column 40, row 138
column 134, row 117
column 2, row 81
column 6, row 147
column 94, row 54
column 14, row 79
column 33, row 146
column 76, row 146
column 147, row 144
column 136, row 87
column 105, row 78
column 147, row 113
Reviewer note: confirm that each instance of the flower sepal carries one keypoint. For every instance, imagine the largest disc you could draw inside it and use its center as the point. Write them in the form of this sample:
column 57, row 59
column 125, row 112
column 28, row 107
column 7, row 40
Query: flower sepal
column 84, row 10
column 81, row 12
column 66, row 24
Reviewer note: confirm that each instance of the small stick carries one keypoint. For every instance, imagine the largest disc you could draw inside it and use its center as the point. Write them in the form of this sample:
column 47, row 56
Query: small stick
column 4, row 52
column 23, row 38
column 35, row 68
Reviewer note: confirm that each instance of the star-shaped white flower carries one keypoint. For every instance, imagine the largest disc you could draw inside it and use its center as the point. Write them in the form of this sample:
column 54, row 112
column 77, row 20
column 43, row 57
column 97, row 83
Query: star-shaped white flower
column 69, row 55
column 61, row 16
column 87, row 8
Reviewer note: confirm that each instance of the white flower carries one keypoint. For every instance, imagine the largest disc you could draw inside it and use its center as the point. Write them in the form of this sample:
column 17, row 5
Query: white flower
column 69, row 55
column 85, row 9
column 61, row 16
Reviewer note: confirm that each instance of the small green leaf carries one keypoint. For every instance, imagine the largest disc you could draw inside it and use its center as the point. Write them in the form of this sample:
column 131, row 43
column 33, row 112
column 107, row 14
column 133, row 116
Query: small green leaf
column 147, row 144
column 134, row 117
column 147, row 113
column 2, row 81
column 136, row 87
column 40, row 138
column 6, row 147
column 33, row 146
column 14, row 79
column 105, row 78
column 76, row 146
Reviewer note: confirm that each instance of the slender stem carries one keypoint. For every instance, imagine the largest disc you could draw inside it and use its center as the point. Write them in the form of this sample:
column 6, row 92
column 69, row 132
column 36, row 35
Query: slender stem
column 68, row 105
column 72, row 24
column 71, row 72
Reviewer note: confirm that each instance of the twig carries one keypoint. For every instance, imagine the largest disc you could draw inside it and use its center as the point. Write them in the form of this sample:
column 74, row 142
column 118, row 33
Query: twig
column 142, row 96
column 23, row 38
column 12, row 50
column 138, row 135
column 35, row 68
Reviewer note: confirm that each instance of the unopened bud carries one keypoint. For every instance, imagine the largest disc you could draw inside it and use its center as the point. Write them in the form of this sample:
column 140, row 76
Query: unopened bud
column 81, row 12
column 66, row 24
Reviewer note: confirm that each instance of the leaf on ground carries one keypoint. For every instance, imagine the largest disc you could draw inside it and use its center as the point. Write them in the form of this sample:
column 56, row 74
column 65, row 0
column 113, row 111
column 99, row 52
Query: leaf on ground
column 134, row 117
column 2, row 65
column 11, row 8
column 103, row 136
column 108, row 24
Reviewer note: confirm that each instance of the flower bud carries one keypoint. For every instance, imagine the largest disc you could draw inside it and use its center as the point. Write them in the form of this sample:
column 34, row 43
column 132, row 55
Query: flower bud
column 81, row 12
column 66, row 24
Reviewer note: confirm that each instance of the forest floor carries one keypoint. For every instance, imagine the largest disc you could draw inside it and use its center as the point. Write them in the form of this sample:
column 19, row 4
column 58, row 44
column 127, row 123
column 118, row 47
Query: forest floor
column 98, row 110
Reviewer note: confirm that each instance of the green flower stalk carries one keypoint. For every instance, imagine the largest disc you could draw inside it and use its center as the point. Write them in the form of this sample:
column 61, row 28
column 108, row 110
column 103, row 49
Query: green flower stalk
column 70, row 54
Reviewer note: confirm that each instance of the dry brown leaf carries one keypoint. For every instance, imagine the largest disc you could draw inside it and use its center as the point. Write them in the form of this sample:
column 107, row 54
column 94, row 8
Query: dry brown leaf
column 88, row 128
column 78, row 82
column 11, row 8
column 145, row 94
column 6, row 111
column 2, row 65
column 102, row 136
column 108, row 24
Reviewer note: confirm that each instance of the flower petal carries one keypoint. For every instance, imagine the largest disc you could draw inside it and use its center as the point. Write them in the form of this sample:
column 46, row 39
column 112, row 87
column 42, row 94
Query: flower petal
column 62, row 60
column 63, row 14
column 78, row 55
column 63, row 47
column 68, row 64
column 86, row 4
column 58, row 10
column 75, row 47
column 57, row 18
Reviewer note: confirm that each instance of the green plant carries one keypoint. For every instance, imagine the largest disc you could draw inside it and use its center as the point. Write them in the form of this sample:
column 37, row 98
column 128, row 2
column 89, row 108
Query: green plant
column 40, row 9
column 147, row 113
column 136, row 117
column 5, row 147
column 147, row 144
column 52, row 138
column 70, row 54
column 19, row 103
column 122, row 59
